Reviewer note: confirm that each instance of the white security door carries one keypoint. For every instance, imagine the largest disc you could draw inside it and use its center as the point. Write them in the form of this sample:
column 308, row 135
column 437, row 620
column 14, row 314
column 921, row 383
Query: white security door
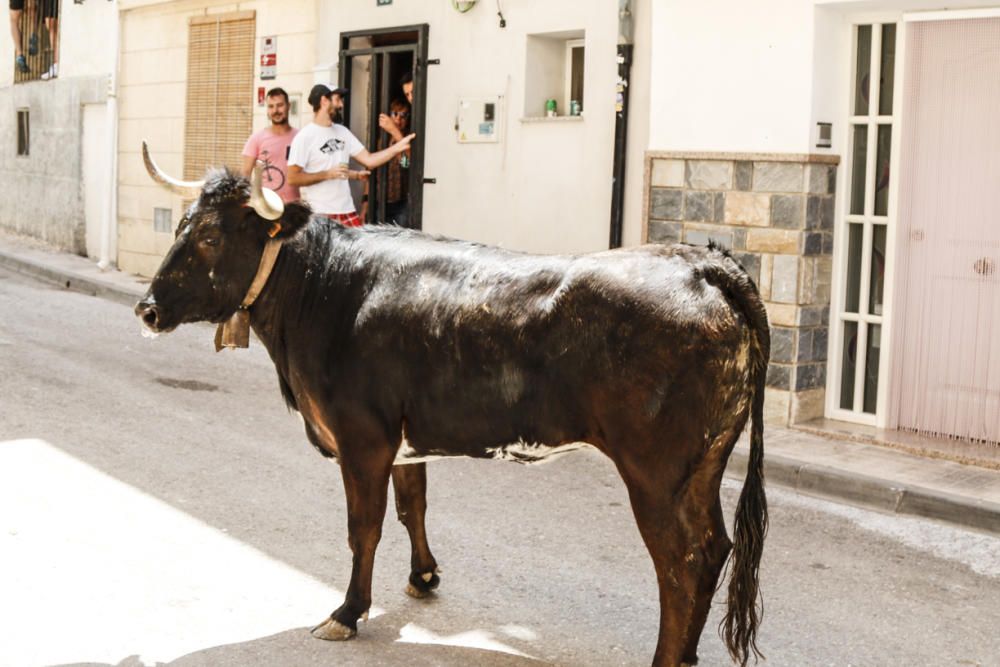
column 947, row 365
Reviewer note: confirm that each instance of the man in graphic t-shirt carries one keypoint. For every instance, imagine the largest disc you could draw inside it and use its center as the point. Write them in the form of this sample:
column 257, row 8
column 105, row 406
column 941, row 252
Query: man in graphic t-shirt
column 271, row 146
column 321, row 153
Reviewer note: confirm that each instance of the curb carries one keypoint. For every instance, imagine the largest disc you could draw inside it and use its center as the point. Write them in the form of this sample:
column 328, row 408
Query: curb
column 878, row 493
column 70, row 280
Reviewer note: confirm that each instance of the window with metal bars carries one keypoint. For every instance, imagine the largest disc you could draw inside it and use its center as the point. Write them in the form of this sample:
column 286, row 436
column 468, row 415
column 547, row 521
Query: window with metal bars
column 35, row 47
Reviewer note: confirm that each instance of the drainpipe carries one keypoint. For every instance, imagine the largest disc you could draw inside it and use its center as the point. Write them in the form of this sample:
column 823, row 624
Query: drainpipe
column 110, row 217
column 625, row 42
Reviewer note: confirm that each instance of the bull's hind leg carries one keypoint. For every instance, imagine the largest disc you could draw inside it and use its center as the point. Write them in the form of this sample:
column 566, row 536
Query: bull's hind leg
column 713, row 550
column 366, row 484
column 410, row 485
column 686, row 544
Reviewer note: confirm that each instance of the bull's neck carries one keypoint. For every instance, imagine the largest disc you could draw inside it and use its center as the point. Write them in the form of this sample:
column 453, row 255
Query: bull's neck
column 306, row 292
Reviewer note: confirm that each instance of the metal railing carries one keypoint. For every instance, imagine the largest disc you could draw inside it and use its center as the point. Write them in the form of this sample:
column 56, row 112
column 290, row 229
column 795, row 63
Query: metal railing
column 33, row 34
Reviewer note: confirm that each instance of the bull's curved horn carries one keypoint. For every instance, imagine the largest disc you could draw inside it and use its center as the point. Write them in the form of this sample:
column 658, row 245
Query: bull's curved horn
column 265, row 201
column 186, row 189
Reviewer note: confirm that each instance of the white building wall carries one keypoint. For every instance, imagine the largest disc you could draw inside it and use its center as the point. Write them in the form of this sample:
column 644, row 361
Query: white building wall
column 546, row 187
column 732, row 76
column 45, row 194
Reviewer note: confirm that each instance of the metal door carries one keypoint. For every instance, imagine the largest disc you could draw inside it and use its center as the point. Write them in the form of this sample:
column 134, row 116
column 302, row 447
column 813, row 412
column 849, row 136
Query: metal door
column 369, row 62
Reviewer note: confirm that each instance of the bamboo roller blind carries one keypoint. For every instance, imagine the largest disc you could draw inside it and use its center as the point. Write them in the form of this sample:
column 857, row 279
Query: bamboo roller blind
column 219, row 91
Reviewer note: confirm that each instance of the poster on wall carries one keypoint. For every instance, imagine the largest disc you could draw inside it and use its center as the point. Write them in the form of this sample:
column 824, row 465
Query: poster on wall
column 269, row 57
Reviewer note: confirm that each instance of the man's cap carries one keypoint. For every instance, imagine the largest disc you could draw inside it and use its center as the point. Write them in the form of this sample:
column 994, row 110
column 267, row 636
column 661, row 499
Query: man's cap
column 323, row 90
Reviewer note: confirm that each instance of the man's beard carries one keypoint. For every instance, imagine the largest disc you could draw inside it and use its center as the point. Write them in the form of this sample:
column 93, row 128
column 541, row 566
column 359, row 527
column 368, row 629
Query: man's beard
column 279, row 120
column 337, row 116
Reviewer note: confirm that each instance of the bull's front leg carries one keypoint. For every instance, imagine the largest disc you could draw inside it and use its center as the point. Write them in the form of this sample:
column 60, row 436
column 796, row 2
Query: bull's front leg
column 366, row 484
column 410, row 485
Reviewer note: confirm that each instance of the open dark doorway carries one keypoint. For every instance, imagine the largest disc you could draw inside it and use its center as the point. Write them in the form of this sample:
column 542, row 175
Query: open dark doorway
column 372, row 65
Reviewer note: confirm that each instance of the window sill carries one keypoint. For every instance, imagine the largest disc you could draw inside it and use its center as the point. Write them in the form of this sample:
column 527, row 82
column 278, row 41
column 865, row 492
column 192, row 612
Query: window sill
column 554, row 119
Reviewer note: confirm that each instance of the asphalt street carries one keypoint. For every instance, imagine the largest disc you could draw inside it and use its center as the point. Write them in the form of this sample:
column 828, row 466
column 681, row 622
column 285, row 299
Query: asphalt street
column 159, row 505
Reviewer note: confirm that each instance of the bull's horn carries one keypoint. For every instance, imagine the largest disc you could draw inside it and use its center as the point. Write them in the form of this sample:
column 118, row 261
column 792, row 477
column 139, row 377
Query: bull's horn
column 265, row 201
column 186, row 189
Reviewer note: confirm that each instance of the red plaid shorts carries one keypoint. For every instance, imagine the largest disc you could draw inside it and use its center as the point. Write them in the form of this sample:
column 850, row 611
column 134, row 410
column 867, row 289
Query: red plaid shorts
column 346, row 219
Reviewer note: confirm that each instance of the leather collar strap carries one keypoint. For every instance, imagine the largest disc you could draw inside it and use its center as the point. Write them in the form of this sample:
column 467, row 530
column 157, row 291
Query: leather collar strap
column 235, row 332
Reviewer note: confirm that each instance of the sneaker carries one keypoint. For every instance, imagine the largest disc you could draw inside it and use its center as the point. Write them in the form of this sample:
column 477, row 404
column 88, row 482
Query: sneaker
column 33, row 44
column 52, row 73
column 22, row 64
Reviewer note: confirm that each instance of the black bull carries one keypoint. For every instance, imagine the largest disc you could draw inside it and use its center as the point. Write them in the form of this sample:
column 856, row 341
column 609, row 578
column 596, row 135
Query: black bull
column 397, row 347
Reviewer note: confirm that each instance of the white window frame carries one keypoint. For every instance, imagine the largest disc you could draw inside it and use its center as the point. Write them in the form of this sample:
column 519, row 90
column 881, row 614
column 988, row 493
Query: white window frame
column 568, row 81
column 868, row 219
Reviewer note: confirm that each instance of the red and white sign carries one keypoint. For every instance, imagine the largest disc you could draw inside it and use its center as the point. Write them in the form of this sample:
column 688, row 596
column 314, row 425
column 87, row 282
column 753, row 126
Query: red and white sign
column 269, row 57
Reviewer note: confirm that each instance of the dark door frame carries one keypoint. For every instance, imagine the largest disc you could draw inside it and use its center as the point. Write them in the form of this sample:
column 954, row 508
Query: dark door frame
column 418, row 116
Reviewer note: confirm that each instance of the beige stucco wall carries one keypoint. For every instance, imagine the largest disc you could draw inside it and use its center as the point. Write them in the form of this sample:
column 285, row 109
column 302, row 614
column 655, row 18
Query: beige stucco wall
column 546, row 187
column 153, row 96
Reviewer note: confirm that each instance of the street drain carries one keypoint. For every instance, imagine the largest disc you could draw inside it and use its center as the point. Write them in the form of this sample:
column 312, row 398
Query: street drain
column 190, row 385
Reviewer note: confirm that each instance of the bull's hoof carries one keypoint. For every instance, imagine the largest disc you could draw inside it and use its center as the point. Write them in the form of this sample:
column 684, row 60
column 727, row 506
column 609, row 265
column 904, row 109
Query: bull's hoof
column 422, row 585
column 333, row 631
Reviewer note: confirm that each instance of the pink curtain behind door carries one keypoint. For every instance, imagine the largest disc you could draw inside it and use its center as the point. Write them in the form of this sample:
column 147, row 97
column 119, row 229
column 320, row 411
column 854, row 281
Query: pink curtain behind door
column 947, row 326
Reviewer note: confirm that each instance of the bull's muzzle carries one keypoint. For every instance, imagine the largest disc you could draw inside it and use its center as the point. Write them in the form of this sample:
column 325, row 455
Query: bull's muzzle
column 147, row 311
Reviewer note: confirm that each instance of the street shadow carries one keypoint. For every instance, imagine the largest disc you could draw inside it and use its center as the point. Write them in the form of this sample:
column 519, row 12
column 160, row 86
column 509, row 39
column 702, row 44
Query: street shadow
column 378, row 643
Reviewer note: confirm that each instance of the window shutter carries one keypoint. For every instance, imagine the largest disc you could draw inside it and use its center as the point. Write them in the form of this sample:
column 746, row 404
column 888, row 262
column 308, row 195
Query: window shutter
column 219, row 91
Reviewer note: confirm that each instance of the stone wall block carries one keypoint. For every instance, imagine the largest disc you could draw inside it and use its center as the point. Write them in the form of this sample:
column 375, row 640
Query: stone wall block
column 785, row 279
column 821, row 343
column 810, row 376
column 779, row 241
column 807, row 405
column 666, row 204
column 811, row 316
column 766, row 271
column 805, row 351
column 779, row 376
column 783, row 344
column 750, row 262
column 827, row 244
column 719, row 207
column 709, row 174
column 661, row 231
column 812, row 243
column 699, row 206
column 819, row 213
column 788, row 211
column 747, row 208
column 822, row 179
column 807, row 284
column 667, row 174
column 739, row 239
column 743, row 175
column 778, row 177
column 781, row 314
column 777, row 407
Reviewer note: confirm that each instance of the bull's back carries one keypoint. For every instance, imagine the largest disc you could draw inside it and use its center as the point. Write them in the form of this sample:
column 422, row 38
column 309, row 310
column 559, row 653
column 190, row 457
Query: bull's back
column 488, row 348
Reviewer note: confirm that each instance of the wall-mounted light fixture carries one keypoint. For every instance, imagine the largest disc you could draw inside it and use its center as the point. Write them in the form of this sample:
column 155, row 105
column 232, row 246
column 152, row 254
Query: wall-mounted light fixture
column 824, row 135
column 463, row 5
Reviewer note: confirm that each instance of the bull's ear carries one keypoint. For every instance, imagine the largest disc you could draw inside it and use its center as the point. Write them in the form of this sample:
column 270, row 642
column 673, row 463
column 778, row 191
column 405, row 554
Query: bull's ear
column 295, row 217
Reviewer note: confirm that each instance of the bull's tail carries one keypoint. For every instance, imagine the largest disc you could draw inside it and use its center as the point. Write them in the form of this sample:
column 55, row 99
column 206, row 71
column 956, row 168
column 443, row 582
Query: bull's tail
column 743, row 613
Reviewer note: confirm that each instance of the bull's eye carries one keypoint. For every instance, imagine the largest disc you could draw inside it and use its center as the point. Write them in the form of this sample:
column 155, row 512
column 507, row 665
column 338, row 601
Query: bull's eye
column 211, row 241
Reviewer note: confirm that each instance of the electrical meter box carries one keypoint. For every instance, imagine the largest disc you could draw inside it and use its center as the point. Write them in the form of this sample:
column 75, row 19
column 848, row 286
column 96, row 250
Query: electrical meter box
column 479, row 120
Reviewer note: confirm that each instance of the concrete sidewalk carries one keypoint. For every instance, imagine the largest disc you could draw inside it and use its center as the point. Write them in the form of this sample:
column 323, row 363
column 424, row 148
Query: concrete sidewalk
column 869, row 475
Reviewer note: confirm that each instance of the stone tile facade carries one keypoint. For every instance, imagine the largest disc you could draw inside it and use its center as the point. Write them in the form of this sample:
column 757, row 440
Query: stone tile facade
column 775, row 212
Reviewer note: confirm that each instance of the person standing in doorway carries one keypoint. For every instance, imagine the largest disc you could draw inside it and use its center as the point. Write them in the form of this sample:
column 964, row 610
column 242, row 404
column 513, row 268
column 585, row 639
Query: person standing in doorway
column 406, row 83
column 50, row 12
column 271, row 146
column 395, row 124
column 321, row 153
